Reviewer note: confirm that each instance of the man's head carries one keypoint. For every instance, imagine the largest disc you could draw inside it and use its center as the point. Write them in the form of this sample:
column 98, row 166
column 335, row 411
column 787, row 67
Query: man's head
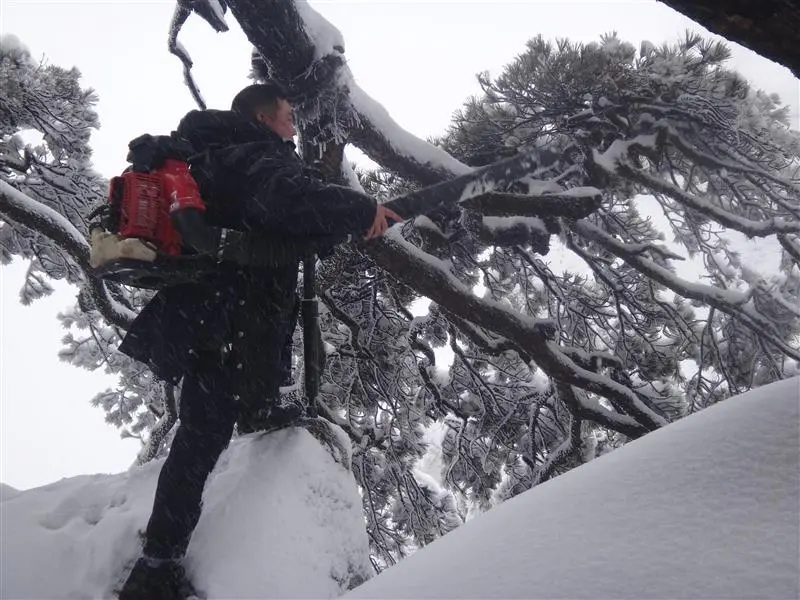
column 266, row 104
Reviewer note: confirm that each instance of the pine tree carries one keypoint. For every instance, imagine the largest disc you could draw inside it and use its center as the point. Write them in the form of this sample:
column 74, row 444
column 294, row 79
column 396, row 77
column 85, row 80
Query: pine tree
column 669, row 127
column 46, row 120
column 674, row 124
column 546, row 369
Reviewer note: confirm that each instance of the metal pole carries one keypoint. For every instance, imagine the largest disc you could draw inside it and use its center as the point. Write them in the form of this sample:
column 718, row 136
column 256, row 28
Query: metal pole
column 311, row 335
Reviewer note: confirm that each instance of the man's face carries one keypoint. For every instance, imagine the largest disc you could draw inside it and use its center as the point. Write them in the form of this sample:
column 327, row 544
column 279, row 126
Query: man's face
column 281, row 121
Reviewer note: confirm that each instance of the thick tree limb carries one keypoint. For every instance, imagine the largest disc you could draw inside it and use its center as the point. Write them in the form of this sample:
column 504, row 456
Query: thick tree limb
column 377, row 147
column 40, row 218
column 572, row 204
column 730, row 220
column 388, row 144
column 424, row 273
column 319, row 81
column 768, row 27
column 282, row 39
column 729, row 302
column 276, row 30
column 476, row 182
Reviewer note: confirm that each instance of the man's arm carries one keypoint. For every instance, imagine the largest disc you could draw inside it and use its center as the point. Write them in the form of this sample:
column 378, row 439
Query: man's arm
column 277, row 194
column 292, row 203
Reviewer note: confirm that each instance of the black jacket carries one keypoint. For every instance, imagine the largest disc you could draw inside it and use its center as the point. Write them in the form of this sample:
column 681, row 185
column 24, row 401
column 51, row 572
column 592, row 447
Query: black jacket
column 250, row 180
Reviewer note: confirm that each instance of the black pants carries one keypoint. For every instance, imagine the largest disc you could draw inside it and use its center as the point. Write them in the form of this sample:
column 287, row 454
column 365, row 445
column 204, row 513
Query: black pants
column 207, row 417
column 217, row 391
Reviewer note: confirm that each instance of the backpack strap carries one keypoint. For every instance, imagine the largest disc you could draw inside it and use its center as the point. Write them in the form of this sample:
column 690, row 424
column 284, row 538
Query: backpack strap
column 148, row 152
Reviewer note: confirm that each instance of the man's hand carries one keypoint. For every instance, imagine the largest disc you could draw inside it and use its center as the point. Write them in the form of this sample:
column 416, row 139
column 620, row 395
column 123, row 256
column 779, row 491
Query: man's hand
column 381, row 224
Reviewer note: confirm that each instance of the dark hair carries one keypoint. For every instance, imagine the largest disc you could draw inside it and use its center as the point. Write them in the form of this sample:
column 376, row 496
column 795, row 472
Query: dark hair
column 257, row 96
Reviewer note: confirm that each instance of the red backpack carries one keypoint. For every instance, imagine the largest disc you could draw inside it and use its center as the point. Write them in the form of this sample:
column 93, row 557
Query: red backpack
column 140, row 204
column 133, row 230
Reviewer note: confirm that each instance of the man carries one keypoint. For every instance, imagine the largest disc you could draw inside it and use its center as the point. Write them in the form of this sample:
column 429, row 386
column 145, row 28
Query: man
column 224, row 336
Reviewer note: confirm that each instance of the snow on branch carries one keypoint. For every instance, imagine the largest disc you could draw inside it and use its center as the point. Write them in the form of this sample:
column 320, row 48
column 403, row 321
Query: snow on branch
column 485, row 340
column 571, row 444
column 511, row 231
column 283, row 42
column 324, row 35
column 28, row 212
column 474, row 183
column 372, row 129
column 707, row 160
column 731, row 302
column 792, row 248
column 211, row 11
column 303, row 52
column 394, row 148
column 615, row 162
column 431, row 278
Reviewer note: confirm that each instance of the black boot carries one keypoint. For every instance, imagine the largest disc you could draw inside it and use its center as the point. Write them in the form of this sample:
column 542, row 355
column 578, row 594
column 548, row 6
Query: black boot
column 289, row 408
column 157, row 579
column 284, row 416
column 277, row 415
column 251, row 421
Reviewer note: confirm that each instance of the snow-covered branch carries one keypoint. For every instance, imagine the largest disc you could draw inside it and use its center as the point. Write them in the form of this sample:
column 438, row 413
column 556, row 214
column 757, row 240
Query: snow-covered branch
column 510, row 231
column 706, row 160
column 571, row 445
column 179, row 17
column 302, row 51
column 279, row 35
column 431, row 278
column 487, row 342
column 791, row 247
column 614, row 162
column 571, row 204
column 474, row 183
column 394, row 148
column 731, row 302
column 36, row 216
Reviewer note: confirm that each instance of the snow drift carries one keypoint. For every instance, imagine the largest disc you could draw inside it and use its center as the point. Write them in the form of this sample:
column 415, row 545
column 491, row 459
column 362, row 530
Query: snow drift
column 707, row 507
column 281, row 519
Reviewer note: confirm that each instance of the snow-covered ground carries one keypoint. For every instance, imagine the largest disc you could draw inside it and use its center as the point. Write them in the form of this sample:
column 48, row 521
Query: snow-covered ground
column 708, row 507
column 281, row 520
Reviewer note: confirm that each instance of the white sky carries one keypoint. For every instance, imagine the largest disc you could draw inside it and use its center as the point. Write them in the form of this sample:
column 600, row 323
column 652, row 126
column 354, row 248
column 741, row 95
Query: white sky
column 419, row 59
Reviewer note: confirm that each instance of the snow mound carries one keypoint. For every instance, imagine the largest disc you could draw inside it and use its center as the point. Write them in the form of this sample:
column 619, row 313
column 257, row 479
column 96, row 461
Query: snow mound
column 707, row 507
column 281, row 519
column 7, row 492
